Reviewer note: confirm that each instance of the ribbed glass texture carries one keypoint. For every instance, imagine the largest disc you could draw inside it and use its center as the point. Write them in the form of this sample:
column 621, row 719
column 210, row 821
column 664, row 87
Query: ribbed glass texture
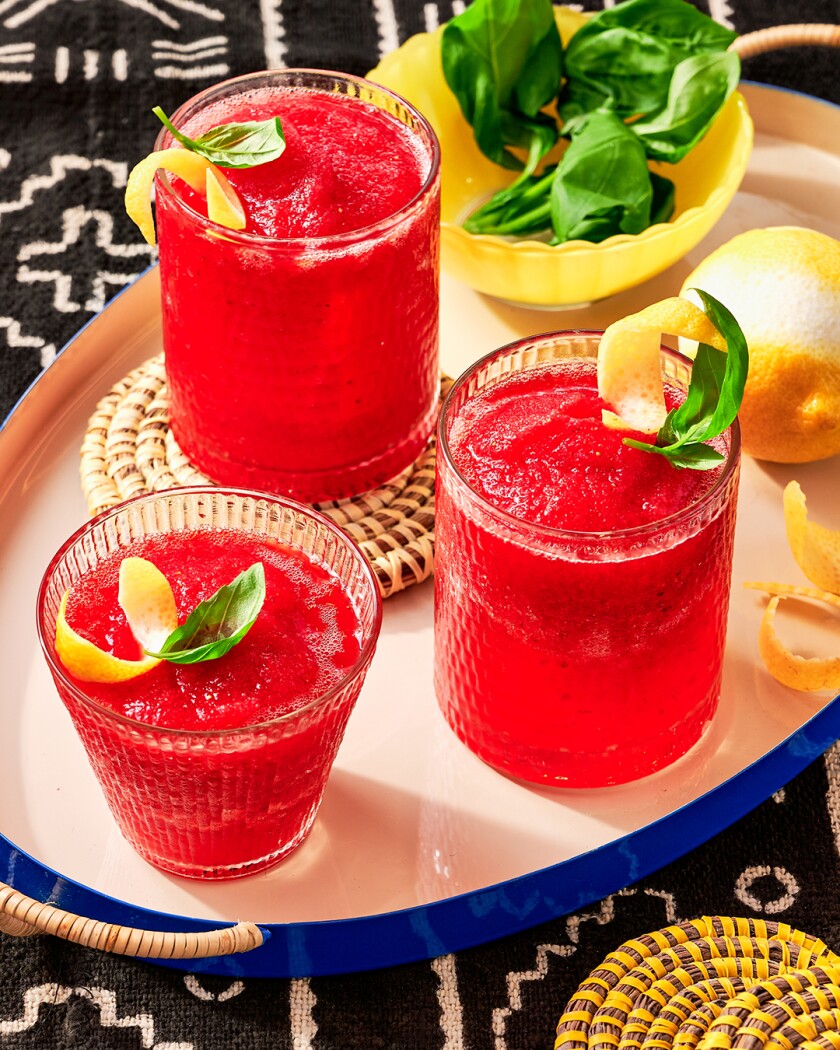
column 306, row 366
column 577, row 659
column 213, row 804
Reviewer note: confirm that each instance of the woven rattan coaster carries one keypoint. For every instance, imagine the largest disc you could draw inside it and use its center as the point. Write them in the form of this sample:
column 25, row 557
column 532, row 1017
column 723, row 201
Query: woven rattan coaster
column 129, row 450
column 715, row 983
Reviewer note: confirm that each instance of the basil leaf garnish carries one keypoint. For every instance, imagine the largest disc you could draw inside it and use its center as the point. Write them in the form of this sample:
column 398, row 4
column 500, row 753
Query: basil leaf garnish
column 215, row 626
column 233, row 145
column 503, row 60
column 713, row 399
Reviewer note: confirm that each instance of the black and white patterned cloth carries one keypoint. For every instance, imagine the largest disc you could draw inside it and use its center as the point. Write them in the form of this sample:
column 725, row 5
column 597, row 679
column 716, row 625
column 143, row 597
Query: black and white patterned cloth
column 76, row 80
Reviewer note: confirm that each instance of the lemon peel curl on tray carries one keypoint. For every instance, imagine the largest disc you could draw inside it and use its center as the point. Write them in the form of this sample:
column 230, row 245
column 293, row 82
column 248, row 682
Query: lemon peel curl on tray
column 147, row 600
column 817, row 552
column 223, row 205
column 816, row 548
column 629, row 370
column 806, row 674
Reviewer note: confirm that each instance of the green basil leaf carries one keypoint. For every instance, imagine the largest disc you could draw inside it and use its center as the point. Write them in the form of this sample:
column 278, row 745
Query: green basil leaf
column 698, row 89
column 676, row 23
column 691, row 456
column 616, row 70
column 713, row 399
column 623, row 58
column 736, row 369
column 503, row 60
column 233, row 145
column 602, row 184
column 664, row 198
column 688, row 421
column 215, row 626
column 522, row 209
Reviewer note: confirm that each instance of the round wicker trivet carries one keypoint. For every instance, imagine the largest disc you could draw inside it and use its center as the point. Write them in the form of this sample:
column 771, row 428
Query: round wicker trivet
column 711, row 984
column 129, row 450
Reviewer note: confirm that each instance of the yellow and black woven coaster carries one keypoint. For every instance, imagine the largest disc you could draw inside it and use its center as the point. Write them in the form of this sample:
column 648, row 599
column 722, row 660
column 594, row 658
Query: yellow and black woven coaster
column 715, row 983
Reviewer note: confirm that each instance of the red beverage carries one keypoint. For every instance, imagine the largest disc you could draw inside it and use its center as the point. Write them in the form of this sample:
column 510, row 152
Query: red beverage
column 581, row 586
column 216, row 769
column 302, row 352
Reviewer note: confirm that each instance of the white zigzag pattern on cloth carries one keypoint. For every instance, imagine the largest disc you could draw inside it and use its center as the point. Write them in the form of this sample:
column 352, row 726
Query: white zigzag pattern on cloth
column 449, row 999
column 515, row 980
column 431, row 14
column 13, row 335
column 431, row 17
column 58, row 995
column 60, row 167
column 175, row 56
column 31, row 10
column 274, row 34
column 720, row 10
column 194, row 987
column 776, row 906
column 73, row 221
column 221, row 69
column 302, row 1001
column 387, row 26
column 64, row 285
column 15, row 339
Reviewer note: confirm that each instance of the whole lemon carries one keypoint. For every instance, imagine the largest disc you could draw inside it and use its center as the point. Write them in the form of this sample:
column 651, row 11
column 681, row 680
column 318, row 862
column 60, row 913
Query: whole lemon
column 782, row 284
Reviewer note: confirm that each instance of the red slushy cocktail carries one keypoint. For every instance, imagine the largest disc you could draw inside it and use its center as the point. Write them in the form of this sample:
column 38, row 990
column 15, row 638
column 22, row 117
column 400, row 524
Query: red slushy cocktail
column 302, row 351
column 216, row 769
column 581, row 585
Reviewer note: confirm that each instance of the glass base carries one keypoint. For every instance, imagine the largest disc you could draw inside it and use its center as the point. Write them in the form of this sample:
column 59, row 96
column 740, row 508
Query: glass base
column 312, row 486
column 219, row 872
column 577, row 769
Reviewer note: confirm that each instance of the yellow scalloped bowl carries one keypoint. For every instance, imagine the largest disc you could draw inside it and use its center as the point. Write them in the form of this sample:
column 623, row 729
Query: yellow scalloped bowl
column 578, row 272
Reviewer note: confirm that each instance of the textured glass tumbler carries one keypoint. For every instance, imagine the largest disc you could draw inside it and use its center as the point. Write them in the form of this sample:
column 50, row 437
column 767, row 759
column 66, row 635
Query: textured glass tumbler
column 306, row 366
column 213, row 804
column 571, row 658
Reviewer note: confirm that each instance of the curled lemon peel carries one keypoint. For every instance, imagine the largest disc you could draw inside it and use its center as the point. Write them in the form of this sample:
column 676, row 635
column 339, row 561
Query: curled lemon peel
column 629, row 371
column 805, row 674
column 149, row 606
column 148, row 602
column 200, row 174
column 815, row 548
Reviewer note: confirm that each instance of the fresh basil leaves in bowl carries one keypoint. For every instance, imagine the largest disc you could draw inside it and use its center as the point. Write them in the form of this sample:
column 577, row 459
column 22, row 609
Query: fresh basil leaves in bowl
column 613, row 154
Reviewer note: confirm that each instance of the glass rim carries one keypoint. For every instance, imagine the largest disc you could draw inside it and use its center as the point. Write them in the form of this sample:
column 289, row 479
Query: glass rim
column 365, row 655
column 337, row 240
column 518, row 524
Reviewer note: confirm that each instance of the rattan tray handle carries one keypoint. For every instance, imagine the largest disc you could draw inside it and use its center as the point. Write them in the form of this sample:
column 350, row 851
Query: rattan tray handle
column 22, row 916
column 776, row 37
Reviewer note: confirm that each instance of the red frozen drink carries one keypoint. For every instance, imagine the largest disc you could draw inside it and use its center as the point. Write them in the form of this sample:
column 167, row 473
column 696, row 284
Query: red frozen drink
column 302, row 351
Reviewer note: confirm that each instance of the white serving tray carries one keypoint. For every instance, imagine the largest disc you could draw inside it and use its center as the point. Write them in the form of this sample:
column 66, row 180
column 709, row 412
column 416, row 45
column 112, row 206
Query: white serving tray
column 419, row 848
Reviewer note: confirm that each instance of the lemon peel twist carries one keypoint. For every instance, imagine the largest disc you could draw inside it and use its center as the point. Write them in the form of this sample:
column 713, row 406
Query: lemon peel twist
column 147, row 600
column 629, row 370
column 223, row 205
column 817, row 552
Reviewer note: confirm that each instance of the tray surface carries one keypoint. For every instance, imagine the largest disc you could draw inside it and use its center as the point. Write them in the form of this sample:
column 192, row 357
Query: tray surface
column 419, row 848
